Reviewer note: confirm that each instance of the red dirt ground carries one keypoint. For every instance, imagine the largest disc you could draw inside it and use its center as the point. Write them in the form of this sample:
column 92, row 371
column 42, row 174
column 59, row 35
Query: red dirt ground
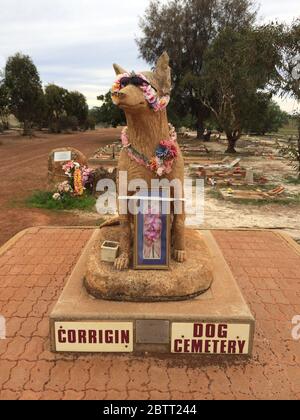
column 23, row 169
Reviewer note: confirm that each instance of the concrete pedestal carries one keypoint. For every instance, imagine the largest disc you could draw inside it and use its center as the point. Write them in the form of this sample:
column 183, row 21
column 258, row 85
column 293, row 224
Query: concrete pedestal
column 180, row 283
column 217, row 322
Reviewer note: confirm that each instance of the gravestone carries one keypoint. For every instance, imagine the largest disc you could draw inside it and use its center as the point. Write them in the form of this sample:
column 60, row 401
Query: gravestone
column 58, row 158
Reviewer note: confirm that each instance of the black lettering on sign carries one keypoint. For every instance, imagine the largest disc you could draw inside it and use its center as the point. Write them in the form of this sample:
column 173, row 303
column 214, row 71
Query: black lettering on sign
column 62, row 336
column 82, row 337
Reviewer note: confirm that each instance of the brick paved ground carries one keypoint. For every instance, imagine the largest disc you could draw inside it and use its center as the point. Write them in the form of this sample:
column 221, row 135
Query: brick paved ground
column 33, row 272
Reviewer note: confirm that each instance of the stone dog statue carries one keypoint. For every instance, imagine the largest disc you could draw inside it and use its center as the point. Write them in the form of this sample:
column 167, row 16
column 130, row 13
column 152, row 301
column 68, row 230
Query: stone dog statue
column 150, row 150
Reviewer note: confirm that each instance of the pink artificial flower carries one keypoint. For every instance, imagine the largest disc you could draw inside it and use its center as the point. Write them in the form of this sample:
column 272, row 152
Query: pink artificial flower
column 124, row 137
column 171, row 146
column 152, row 227
column 160, row 170
column 168, row 166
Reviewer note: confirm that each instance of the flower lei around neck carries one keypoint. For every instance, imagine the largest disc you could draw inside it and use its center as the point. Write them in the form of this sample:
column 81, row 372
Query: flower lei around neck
column 167, row 150
column 165, row 154
column 156, row 103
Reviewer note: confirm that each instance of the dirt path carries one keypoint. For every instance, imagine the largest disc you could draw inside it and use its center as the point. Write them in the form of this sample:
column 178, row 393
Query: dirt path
column 23, row 169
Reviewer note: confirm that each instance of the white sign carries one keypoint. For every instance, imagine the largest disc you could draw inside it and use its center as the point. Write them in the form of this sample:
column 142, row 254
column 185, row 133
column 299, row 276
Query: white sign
column 62, row 156
column 94, row 337
column 211, row 338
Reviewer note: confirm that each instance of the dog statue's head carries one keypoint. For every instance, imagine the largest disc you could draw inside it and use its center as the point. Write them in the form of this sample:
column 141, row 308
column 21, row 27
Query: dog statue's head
column 135, row 92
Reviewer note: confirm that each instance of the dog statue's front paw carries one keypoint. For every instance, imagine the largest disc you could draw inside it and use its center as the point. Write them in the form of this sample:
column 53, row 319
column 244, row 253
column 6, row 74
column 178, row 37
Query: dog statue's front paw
column 179, row 256
column 122, row 263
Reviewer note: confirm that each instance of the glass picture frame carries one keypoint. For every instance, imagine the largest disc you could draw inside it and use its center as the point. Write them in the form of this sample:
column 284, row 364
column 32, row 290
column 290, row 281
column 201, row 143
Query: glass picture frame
column 152, row 232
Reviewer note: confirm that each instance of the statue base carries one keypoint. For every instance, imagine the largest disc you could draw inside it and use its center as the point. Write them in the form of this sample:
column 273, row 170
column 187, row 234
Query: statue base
column 218, row 322
column 180, row 282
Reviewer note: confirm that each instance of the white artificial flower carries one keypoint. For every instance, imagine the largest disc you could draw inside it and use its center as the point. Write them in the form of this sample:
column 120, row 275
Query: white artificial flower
column 56, row 197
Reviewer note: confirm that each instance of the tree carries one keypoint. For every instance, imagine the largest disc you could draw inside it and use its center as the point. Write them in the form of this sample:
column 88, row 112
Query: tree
column 264, row 115
column 108, row 113
column 56, row 98
column 185, row 29
column 237, row 66
column 4, row 104
column 76, row 106
column 289, row 74
column 25, row 89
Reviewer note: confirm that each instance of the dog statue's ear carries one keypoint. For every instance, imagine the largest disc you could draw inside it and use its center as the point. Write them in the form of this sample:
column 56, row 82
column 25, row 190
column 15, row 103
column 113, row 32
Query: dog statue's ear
column 162, row 73
column 119, row 69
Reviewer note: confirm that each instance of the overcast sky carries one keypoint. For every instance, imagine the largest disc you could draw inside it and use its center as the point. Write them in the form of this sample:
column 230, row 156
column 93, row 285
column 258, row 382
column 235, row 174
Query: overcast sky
column 75, row 42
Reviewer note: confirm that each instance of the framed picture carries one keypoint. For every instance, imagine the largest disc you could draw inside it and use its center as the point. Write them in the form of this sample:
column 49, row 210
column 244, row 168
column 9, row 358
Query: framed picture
column 152, row 230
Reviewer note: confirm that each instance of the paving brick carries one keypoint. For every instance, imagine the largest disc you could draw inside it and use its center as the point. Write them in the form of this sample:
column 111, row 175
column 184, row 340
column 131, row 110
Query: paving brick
column 5, row 369
column 180, row 395
column 33, row 348
column 159, row 379
column 136, row 395
column 294, row 378
column 273, row 311
column 41, row 309
column 118, row 375
column 8, row 395
column 59, row 376
column 198, row 380
column 19, row 376
column 279, row 297
column 114, row 395
column 291, row 296
column 179, row 380
column 269, row 328
column 13, row 326
column 30, row 396
column 15, row 348
column 42, row 327
column 51, row 395
column 287, row 310
column 7, row 294
column 79, row 376
column 95, row 395
column 9, row 309
column 218, row 381
column 70, row 395
column 24, row 309
column 39, row 376
column 266, row 296
column 99, row 374
column 239, row 383
column 266, row 268
column 29, row 326
column 159, row 396
column 138, row 375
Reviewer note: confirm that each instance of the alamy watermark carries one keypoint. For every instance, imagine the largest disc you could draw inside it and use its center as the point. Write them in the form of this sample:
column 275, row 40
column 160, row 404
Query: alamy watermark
column 125, row 198
column 2, row 328
column 296, row 328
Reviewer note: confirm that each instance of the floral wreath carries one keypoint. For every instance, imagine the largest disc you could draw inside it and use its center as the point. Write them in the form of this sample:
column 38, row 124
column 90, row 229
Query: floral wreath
column 156, row 103
column 165, row 154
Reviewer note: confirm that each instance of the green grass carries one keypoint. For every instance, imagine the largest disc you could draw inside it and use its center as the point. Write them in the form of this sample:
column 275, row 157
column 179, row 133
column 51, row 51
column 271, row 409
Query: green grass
column 289, row 129
column 292, row 180
column 44, row 200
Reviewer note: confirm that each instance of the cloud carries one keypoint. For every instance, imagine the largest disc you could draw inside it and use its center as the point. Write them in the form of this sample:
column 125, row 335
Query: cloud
column 283, row 11
column 75, row 42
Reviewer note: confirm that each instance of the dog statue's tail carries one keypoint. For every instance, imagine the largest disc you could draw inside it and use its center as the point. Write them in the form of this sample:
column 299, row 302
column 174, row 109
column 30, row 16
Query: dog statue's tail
column 114, row 221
